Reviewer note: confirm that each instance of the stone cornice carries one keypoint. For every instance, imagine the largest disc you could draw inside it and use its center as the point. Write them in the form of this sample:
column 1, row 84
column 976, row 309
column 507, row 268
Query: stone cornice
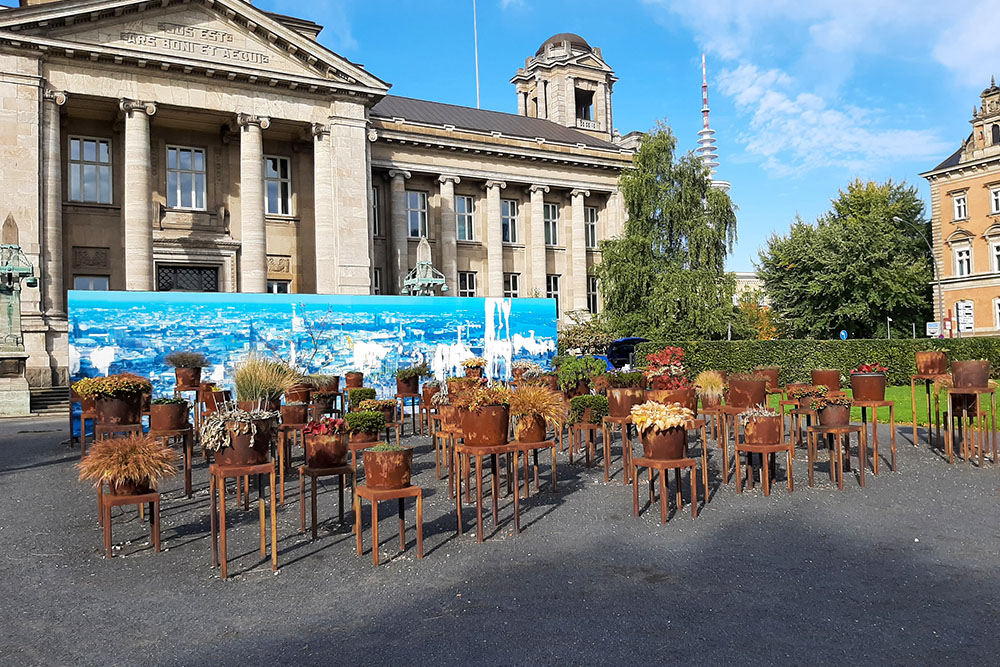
column 970, row 168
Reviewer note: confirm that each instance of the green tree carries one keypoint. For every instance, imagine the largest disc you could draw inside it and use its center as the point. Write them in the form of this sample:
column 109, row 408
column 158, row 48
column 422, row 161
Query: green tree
column 665, row 277
column 861, row 262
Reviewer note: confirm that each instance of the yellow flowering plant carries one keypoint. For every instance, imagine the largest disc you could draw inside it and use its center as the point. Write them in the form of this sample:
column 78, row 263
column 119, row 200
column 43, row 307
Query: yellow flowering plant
column 659, row 416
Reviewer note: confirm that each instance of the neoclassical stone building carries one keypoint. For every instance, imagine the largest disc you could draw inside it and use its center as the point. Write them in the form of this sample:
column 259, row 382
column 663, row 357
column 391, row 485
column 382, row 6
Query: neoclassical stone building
column 208, row 145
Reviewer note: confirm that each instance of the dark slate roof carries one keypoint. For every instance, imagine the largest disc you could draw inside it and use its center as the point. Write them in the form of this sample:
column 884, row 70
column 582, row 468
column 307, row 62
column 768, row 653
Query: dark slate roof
column 952, row 160
column 467, row 118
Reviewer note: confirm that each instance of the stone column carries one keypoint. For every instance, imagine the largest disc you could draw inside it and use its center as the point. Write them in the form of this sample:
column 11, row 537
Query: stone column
column 578, row 250
column 137, row 201
column 352, row 185
column 536, row 242
column 399, row 258
column 325, row 235
column 253, row 232
column 52, row 250
column 449, row 247
column 541, row 94
column 494, row 239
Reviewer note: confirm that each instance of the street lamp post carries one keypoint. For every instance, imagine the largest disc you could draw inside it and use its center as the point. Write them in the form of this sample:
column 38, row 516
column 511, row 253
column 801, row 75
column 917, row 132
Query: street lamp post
column 934, row 267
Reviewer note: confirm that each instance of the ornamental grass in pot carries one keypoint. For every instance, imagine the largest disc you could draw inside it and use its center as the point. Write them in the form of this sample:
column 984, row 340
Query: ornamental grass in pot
column 168, row 414
column 662, row 429
column 761, row 425
column 534, row 409
column 588, row 409
column 835, row 411
column 387, row 466
column 486, row 416
column 357, row 394
column 260, row 383
column 408, row 379
column 326, row 442
column 459, row 387
column 520, row 367
column 354, row 379
column 386, row 406
column 710, row 387
column 626, row 391
column 932, row 362
column 429, row 390
column 828, row 377
column 746, row 390
column 804, row 394
column 238, row 437
column 365, row 426
column 296, row 412
column 130, row 465
column 868, row 382
column 575, row 373
column 971, row 374
column 474, row 367
column 117, row 398
column 187, row 367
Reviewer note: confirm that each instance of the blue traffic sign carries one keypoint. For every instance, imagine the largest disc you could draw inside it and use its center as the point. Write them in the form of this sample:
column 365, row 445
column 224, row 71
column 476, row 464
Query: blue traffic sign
column 843, row 334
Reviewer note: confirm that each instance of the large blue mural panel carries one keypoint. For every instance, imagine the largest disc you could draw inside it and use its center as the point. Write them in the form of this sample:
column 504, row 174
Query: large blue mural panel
column 111, row 332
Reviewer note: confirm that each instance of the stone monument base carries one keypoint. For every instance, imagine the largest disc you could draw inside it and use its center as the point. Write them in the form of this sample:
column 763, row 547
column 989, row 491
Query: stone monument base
column 15, row 396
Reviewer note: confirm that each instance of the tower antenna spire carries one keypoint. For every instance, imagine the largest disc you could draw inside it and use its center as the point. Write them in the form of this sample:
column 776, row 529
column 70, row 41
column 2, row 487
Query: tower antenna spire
column 707, row 151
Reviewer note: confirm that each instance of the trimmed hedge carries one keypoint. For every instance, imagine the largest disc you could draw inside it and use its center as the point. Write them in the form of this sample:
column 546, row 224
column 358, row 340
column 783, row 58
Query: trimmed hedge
column 798, row 357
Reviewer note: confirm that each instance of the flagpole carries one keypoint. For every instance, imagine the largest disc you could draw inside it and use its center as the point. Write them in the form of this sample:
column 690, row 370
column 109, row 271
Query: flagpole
column 475, row 37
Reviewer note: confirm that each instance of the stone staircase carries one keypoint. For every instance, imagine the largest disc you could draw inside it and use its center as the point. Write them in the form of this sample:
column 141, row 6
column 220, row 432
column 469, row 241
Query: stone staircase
column 50, row 401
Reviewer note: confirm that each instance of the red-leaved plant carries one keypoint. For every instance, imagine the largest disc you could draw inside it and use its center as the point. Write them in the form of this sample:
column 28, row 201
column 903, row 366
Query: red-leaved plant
column 870, row 368
column 666, row 369
column 326, row 426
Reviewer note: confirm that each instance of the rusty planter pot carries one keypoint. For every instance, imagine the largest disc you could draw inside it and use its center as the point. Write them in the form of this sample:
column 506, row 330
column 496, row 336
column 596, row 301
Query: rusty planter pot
column 551, row 381
column 247, row 448
column 299, row 393
column 294, row 414
column 130, row 488
column 868, row 386
column 213, row 399
column 168, row 417
column 408, row 386
column 530, row 428
column 709, row 402
column 686, row 397
column 622, row 400
column 354, row 379
column 828, row 377
column 326, row 451
column 323, row 403
column 188, row 377
column 388, row 470
column 486, row 427
column 474, row 372
column 746, row 393
column 363, row 436
column 450, row 418
column 834, row 415
column 973, row 374
column 771, row 373
column 264, row 404
column 932, row 362
column 581, row 388
column 763, row 431
column 427, row 395
column 600, row 384
column 125, row 410
column 389, row 414
column 665, row 445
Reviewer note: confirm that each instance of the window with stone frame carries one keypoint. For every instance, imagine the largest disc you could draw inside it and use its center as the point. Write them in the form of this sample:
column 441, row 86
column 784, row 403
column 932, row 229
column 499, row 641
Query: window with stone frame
column 508, row 220
column 376, row 219
column 590, row 226
column 511, row 285
column 550, row 218
column 376, row 281
column 416, row 214
column 279, row 286
column 995, row 199
column 963, row 261
column 464, row 214
column 552, row 289
column 185, row 278
column 277, row 185
column 592, row 301
column 90, row 170
column 91, row 283
column 467, row 283
column 186, row 169
column 961, row 206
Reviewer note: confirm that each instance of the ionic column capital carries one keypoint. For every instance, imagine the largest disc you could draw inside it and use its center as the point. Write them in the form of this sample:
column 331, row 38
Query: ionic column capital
column 319, row 130
column 445, row 178
column 128, row 106
column 57, row 97
column 402, row 173
column 578, row 192
column 538, row 188
column 496, row 184
column 246, row 120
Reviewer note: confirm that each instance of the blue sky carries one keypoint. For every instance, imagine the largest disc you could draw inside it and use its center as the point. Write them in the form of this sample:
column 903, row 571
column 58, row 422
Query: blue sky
column 805, row 96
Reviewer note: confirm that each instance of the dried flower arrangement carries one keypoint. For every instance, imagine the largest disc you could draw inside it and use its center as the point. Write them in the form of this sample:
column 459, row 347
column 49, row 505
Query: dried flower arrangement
column 660, row 416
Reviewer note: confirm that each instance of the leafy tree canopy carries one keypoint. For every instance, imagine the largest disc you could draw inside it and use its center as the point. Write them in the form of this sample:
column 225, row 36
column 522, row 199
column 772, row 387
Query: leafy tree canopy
column 864, row 260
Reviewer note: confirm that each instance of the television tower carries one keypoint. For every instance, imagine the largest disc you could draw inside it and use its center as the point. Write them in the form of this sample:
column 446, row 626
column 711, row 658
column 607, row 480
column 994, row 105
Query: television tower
column 706, row 135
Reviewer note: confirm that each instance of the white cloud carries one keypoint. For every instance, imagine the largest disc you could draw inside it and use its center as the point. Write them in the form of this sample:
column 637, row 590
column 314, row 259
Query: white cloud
column 507, row 4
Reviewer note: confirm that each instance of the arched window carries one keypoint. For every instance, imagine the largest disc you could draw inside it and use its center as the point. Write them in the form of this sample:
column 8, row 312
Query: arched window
column 996, row 134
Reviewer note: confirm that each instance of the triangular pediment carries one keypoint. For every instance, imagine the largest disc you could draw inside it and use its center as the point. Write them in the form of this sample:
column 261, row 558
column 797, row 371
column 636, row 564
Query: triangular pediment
column 590, row 61
column 219, row 33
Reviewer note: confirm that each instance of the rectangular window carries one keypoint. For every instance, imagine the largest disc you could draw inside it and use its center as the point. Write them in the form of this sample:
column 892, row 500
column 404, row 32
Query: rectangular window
column 376, row 281
column 416, row 214
column 961, row 207
column 996, row 257
column 181, row 278
column 464, row 210
column 592, row 294
column 185, row 177
column 376, row 221
column 90, row 170
column 963, row 261
column 466, row 283
column 90, row 282
column 508, row 220
column 550, row 216
column 590, row 226
column 277, row 185
column 511, row 285
column 279, row 286
column 995, row 200
column 552, row 289
column 996, row 313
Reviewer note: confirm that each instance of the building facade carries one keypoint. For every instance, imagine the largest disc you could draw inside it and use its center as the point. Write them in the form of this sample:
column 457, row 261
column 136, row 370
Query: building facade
column 965, row 217
column 207, row 145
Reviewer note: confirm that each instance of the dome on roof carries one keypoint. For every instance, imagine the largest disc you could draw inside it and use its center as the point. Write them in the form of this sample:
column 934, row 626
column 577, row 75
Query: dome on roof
column 556, row 40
